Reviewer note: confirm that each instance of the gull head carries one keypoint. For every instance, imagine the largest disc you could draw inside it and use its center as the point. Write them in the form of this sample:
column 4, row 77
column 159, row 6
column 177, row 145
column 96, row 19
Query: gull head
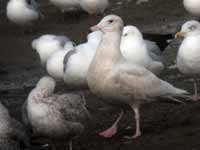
column 190, row 28
column 46, row 83
column 131, row 31
column 110, row 23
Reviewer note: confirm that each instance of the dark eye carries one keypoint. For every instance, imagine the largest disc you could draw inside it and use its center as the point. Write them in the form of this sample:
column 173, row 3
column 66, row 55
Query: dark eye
column 29, row 2
column 110, row 21
column 126, row 34
column 192, row 27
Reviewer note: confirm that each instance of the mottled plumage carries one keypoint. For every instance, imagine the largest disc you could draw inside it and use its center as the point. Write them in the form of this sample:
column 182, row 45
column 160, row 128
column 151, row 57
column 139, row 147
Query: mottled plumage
column 55, row 117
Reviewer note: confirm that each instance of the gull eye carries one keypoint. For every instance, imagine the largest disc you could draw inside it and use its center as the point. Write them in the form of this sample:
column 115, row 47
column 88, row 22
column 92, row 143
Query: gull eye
column 110, row 21
column 126, row 34
column 192, row 27
column 28, row 1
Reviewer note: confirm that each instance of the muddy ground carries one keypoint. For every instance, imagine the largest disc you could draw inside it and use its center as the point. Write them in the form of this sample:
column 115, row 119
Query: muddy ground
column 165, row 124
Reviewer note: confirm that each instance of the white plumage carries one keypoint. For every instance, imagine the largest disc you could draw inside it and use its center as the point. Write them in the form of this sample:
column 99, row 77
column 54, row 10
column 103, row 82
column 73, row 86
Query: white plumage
column 55, row 63
column 192, row 6
column 77, row 62
column 137, row 51
column 46, row 45
column 94, row 6
column 22, row 13
column 188, row 57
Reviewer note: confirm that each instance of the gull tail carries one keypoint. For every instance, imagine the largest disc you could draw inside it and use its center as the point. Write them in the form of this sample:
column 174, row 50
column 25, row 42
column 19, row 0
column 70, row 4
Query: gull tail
column 168, row 89
column 170, row 92
column 181, row 91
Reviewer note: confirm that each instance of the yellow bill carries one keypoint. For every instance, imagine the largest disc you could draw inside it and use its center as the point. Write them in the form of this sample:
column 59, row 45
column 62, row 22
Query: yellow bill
column 180, row 35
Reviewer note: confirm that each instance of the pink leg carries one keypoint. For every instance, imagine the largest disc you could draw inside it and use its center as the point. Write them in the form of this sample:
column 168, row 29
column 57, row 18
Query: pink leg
column 110, row 132
column 195, row 97
column 137, row 120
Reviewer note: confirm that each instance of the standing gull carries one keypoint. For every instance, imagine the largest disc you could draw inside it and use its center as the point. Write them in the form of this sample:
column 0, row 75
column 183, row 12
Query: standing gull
column 58, row 118
column 118, row 82
column 138, row 51
column 188, row 58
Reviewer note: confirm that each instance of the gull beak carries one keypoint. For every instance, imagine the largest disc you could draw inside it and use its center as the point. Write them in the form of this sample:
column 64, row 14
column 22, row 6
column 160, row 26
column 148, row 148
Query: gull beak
column 95, row 28
column 180, row 35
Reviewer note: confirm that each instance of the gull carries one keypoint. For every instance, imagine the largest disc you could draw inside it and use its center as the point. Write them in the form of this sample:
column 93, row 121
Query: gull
column 188, row 57
column 192, row 6
column 22, row 13
column 139, row 51
column 77, row 61
column 59, row 118
column 55, row 63
column 94, row 6
column 47, row 44
column 119, row 82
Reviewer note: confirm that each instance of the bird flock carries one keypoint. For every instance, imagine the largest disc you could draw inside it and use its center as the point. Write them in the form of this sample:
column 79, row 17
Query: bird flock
column 115, row 63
